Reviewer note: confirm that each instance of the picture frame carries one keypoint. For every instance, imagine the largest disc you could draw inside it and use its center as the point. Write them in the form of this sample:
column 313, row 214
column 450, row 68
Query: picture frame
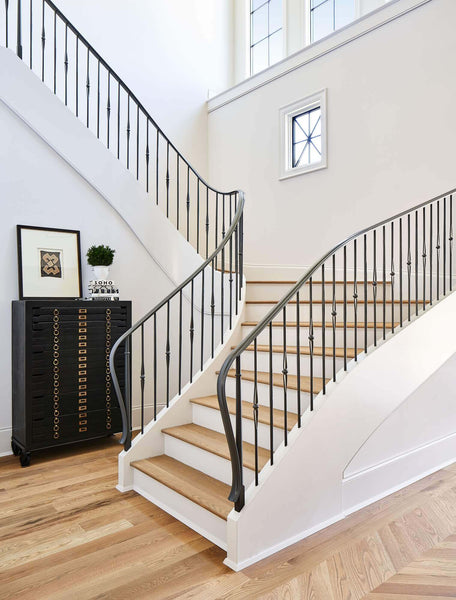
column 49, row 263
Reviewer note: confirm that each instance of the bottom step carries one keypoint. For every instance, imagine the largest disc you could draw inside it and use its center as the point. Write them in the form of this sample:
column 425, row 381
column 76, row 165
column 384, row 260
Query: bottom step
column 207, row 492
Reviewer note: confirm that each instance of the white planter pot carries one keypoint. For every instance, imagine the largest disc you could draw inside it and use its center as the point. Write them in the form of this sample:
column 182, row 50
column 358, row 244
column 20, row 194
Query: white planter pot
column 101, row 273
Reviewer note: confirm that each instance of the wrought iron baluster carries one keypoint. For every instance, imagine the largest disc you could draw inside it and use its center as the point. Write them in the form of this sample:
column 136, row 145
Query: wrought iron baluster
column 430, row 251
column 365, row 291
column 19, row 29
column 450, row 243
column 384, row 279
column 207, row 221
column 409, row 268
column 444, row 246
column 334, row 315
column 31, row 34
column 108, row 112
column 392, row 275
column 202, row 319
column 43, row 40
column 323, row 327
column 98, row 99
column 231, row 281
column 416, row 263
column 155, row 366
column 157, row 167
column 128, row 131
column 198, row 215
column 147, row 155
column 241, row 254
column 167, row 179
column 239, row 449
column 298, row 357
column 118, row 120
column 374, row 285
column 212, row 309
column 424, row 256
column 311, row 346
column 271, row 399
column 76, row 74
column 6, row 22
column 355, row 295
column 437, row 250
column 216, row 219
column 180, row 344
column 188, row 203
column 345, row 307
column 178, row 192
column 127, row 364
column 142, row 378
column 88, row 89
column 236, row 268
column 401, row 296
column 222, row 295
column 65, row 62
column 255, row 408
column 167, row 352
column 285, row 377
column 192, row 328
column 137, row 142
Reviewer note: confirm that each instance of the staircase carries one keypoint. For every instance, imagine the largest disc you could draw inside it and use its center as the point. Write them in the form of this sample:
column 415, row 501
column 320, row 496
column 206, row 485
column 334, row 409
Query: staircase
column 256, row 401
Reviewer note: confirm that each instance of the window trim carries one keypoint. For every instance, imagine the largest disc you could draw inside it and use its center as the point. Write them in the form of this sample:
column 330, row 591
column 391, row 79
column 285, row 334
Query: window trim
column 287, row 113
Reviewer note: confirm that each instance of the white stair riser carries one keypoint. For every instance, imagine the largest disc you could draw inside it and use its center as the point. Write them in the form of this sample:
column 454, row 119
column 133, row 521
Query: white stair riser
column 276, row 292
column 207, row 462
column 198, row 518
column 247, row 362
column 256, row 312
column 211, row 419
column 263, row 395
column 277, row 336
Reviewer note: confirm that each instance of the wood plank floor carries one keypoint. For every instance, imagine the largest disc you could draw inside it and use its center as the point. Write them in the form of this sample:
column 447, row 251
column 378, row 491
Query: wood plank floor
column 66, row 533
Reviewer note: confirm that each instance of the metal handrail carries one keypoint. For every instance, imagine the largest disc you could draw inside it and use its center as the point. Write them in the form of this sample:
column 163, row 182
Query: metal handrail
column 237, row 489
column 237, row 220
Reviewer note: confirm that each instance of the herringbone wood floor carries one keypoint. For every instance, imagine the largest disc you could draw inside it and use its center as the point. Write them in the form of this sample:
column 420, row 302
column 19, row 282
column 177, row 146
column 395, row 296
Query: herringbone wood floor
column 67, row 534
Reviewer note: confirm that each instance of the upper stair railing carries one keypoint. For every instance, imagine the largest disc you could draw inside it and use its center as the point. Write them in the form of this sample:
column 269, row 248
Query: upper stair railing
column 182, row 332
column 408, row 257
column 66, row 62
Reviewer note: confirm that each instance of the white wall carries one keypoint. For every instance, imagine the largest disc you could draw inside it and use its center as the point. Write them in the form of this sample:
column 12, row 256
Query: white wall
column 170, row 54
column 391, row 129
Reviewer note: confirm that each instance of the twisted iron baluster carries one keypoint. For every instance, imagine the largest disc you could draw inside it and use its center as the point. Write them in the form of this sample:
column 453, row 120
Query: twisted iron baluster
column 285, row 376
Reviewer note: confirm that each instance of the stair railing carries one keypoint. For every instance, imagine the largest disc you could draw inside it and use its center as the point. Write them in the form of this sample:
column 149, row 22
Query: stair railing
column 68, row 64
column 194, row 317
column 190, row 322
column 398, row 268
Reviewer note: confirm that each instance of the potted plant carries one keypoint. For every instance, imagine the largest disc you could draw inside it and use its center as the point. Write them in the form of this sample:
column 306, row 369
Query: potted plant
column 100, row 258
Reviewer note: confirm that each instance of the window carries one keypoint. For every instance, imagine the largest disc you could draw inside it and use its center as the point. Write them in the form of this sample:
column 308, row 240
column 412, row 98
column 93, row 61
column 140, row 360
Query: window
column 303, row 136
column 266, row 34
column 328, row 15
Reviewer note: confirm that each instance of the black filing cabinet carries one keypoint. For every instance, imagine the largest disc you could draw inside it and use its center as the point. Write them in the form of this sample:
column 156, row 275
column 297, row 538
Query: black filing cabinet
column 62, row 386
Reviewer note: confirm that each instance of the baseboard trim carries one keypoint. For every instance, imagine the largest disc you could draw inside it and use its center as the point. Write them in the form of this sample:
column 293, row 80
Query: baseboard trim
column 280, row 546
column 5, row 441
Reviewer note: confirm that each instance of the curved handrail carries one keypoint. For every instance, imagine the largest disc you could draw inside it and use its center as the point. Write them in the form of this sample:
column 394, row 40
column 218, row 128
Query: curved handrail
column 237, row 220
column 237, row 484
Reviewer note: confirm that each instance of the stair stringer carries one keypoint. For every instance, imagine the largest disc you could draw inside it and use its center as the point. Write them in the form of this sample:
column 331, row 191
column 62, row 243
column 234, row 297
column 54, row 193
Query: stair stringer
column 179, row 412
column 303, row 492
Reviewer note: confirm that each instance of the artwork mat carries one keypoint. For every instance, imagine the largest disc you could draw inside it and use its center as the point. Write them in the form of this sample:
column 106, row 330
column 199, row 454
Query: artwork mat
column 31, row 240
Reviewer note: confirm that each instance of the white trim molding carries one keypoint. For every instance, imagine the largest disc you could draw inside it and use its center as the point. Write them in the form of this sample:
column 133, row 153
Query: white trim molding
column 287, row 114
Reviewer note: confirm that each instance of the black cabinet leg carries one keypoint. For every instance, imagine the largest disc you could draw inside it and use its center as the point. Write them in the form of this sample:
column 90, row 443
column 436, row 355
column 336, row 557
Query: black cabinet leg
column 25, row 459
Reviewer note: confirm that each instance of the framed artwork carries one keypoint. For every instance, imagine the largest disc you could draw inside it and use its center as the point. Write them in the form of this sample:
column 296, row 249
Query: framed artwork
column 49, row 262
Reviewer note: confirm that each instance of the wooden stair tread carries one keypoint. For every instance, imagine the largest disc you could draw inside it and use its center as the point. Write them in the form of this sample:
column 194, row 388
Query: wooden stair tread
column 198, row 487
column 247, row 411
column 328, row 325
column 216, row 443
column 304, row 350
column 277, row 380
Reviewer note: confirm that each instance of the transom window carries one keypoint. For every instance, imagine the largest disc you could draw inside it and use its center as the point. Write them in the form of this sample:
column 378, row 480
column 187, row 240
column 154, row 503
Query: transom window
column 303, row 136
column 306, row 138
column 327, row 16
column 266, row 34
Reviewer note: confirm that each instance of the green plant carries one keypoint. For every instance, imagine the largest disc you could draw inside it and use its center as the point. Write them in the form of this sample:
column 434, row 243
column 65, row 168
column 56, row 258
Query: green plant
column 100, row 256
